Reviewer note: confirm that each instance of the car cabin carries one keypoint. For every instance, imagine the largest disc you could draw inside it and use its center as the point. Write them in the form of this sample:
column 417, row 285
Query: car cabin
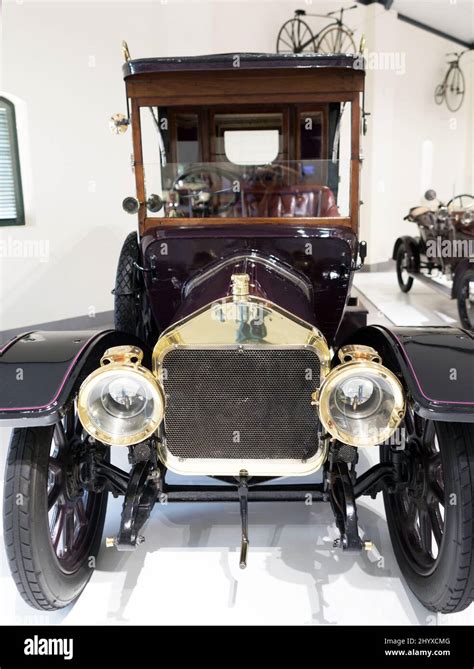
column 245, row 138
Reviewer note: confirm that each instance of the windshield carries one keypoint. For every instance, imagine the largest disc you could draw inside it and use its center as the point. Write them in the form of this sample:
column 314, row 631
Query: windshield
column 287, row 162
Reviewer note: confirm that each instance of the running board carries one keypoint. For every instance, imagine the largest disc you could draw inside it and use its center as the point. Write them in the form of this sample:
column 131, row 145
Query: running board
column 439, row 288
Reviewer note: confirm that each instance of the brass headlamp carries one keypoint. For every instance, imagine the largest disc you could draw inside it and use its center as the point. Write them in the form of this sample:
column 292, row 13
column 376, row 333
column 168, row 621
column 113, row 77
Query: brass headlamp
column 360, row 402
column 121, row 403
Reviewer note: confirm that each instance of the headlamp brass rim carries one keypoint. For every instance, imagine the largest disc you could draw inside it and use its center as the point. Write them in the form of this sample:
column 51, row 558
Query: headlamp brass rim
column 106, row 370
column 336, row 376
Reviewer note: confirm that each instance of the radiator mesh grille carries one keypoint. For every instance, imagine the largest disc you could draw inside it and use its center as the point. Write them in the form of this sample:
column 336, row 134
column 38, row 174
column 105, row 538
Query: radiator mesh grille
column 241, row 403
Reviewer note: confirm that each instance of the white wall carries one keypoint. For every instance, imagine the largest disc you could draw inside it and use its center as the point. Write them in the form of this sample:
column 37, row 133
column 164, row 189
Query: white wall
column 404, row 119
column 63, row 60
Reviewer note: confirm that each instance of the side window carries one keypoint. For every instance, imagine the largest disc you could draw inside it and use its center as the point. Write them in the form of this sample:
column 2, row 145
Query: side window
column 11, row 195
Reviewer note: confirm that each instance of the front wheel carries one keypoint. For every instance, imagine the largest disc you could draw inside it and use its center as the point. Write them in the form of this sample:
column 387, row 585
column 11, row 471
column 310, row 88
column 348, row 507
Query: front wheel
column 405, row 281
column 295, row 36
column 455, row 89
column 465, row 299
column 53, row 527
column 430, row 518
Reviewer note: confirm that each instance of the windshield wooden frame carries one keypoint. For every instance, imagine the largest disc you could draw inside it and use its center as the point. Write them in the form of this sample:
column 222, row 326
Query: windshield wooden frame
column 246, row 87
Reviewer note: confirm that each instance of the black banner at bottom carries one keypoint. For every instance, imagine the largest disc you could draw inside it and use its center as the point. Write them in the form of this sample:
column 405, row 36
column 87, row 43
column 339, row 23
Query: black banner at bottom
column 134, row 646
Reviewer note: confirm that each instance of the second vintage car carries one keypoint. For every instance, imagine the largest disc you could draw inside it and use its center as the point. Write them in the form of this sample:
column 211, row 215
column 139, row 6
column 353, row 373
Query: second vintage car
column 443, row 250
column 239, row 357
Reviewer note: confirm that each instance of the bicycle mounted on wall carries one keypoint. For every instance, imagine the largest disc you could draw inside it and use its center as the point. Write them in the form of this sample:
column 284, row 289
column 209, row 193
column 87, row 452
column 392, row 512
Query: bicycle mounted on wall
column 453, row 87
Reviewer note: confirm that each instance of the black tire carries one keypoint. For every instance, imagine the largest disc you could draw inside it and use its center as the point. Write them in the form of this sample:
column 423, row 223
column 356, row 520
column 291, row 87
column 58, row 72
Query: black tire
column 47, row 578
column 126, row 313
column 431, row 522
column 465, row 300
column 404, row 281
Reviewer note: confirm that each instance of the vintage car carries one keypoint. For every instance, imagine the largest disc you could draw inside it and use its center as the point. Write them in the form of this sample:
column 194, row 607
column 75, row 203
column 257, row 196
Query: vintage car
column 239, row 358
column 444, row 250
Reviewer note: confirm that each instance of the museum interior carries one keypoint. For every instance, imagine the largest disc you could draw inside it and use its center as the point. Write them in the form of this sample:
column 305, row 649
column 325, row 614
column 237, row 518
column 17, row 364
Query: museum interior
column 384, row 155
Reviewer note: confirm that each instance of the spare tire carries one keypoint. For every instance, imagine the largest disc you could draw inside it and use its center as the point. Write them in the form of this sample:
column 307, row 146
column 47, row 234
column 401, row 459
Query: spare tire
column 127, row 312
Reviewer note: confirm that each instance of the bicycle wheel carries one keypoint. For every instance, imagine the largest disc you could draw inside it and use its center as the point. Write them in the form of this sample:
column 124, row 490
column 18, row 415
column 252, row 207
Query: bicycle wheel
column 336, row 40
column 295, row 36
column 439, row 93
column 455, row 88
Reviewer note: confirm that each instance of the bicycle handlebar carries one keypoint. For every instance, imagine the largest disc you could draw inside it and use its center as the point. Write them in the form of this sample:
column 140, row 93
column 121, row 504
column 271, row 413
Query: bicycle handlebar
column 302, row 12
column 341, row 10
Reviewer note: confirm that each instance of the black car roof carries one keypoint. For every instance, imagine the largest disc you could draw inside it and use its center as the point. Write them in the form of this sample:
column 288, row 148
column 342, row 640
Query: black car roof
column 247, row 61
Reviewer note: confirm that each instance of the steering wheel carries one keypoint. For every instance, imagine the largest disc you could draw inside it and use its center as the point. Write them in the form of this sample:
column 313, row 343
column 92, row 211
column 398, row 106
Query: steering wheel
column 270, row 175
column 463, row 197
column 197, row 180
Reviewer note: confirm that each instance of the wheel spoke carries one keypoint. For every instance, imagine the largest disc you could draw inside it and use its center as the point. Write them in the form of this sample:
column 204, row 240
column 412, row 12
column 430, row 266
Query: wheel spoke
column 425, row 530
column 438, row 492
column 58, row 526
column 55, row 467
column 299, row 33
column 69, row 529
column 286, row 43
column 54, row 495
column 436, row 523
column 81, row 512
column 346, row 43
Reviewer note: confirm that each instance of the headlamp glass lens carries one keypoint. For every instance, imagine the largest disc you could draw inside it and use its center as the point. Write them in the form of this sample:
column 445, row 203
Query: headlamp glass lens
column 360, row 406
column 123, row 397
column 123, row 403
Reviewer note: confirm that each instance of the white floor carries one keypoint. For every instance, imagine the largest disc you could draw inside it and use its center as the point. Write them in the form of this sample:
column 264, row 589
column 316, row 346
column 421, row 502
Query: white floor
column 187, row 570
column 421, row 306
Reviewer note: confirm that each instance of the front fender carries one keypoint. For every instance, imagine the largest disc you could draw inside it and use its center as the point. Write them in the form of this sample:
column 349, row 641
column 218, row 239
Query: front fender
column 40, row 371
column 412, row 245
column 435, row 364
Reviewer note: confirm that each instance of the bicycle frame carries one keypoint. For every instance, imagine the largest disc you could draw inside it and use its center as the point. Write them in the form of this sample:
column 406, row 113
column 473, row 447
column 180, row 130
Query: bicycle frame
column 336, row 22
column 317, row 35
column 453, row 65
